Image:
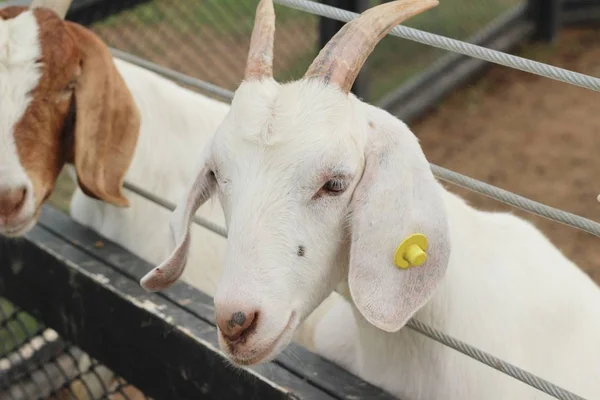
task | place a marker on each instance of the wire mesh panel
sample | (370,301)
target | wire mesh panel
(35,363)
(209,39)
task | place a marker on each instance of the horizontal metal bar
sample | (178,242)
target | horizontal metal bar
(457,46)
(414,98)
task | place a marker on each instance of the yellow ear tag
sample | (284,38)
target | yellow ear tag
(411,251)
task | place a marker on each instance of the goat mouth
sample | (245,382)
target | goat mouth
(265,354)
(19,229)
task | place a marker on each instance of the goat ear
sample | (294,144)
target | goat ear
(396,197)
(199,191)
(107,122)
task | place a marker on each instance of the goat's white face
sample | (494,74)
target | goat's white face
(318,189)
(285,173)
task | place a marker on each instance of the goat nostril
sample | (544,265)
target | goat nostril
(237,318)
(22,194)
(239,326)
(12,200)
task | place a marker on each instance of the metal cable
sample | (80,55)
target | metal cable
(168,205)
(172,74)
(523,203)
(456,46)
(494,362)
(510,198)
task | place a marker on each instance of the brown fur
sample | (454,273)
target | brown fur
(78,72)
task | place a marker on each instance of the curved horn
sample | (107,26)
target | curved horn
(340,61)
(60,7)
(260,55)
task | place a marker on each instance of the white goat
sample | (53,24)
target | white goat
(319,189)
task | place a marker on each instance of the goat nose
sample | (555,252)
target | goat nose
(236,325)
(12,200)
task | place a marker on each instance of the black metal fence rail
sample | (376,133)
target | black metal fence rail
(575,12)
(86,288)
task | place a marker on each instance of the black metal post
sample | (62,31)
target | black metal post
(546,15)
(329,27)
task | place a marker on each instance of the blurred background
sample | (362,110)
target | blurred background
(531,135)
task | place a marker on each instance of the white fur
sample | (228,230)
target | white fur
(507,289)
(509,292)
(19,75)
(175,125)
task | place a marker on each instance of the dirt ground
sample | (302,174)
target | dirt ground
(530,135)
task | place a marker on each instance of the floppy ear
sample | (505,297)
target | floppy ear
(396,197)
(107,122)
(199,191)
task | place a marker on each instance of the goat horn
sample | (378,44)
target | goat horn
(60,7)
(340,61)
(260,55)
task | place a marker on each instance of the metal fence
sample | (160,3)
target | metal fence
(35,363)
(208,40)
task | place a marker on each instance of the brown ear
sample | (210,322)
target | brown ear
(107,121)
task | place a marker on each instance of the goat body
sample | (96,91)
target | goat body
(175,124)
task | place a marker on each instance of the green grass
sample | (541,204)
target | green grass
(396,60)
(14,332)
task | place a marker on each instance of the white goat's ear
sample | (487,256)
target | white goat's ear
(199,191)
(396,197)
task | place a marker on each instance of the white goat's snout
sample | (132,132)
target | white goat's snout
(250,329)
(236,320)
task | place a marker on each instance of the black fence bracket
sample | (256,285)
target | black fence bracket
(546,15)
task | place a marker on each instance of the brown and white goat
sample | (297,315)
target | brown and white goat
(64,100)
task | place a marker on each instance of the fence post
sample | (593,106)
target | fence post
(329,27)
(546,16)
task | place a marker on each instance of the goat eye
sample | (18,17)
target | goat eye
(335,186)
